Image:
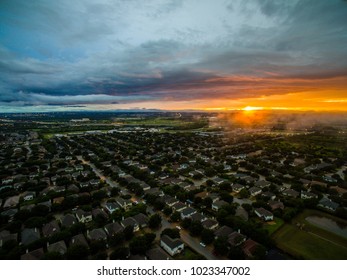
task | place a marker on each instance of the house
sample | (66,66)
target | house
(59,247)
(33,255)
(99,212)
(198,217)
(179,206)
(249,247)
(79,239)
(237,187)
(29,235)
(96,234)
(68,220)
(187,212)
(50,228)
(154,191)
(223,231)
(83,216)
(328,204)
(235,238)
(5,236)
(218,205)
(276,205)
(157,253)
(169,200)
(11,201)
(210,224)
(218,181)
(264,214)
(111,207)
(262,184)
(130,222)
(27,196)
(291,193)
(113,228)
(308,195)
(123,203)
(172,246)
(255,191)
(268,195)
(141,219)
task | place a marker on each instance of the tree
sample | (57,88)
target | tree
(236,253)
(195,228)
(154,221)
(207,236)
(140,244)
(128,232)
(77,252)
(120,253)
(244,193)
(175,217)
(221,246)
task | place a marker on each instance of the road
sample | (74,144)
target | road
(112,183)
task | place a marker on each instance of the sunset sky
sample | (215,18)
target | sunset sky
(173,55)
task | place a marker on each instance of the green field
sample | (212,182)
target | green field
(271,227)
(311,242)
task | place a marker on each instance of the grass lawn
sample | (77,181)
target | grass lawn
(188,254)
(274,225)
(312,242)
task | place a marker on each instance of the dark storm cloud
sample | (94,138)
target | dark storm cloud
(114,52)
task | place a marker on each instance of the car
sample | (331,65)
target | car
(202,244)
(178,227)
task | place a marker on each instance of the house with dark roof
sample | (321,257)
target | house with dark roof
(157,253)
(218,205)
(328,204)
(198,217)
(50,228)
(79,239)
(210,224)
(237,187)
(130,221)
(255,191)
(5,236)
(264,214)
(308,195)
(141,219)
(275,205)
(111,207)
(187,212)
(113,228)
(223,231)
(291,193)
(97,234)
(33,255)
(170,245)
(249,247)
(235,238)
(68,220)
(179,206)
(29,235)
(123,203)
(262,184)
(59,247)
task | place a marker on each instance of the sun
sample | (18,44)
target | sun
(252,108)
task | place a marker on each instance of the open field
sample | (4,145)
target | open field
(311,242)
(271,227)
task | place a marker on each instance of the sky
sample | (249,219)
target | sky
(173,55)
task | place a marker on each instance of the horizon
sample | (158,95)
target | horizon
(161,56)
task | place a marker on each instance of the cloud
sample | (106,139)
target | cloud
(115,52)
